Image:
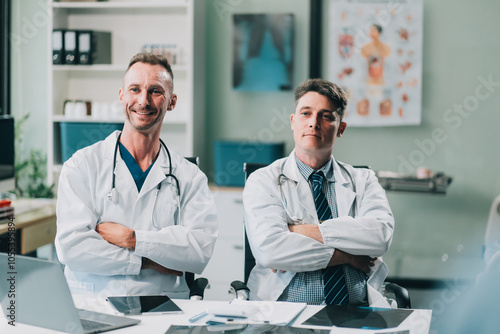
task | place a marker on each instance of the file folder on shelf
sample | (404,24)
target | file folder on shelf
(94,47)
(70,47)
(58,47)
(81,47)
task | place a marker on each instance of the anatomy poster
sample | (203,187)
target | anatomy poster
(375,54)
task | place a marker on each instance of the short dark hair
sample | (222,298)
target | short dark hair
(152,59)
(335,94)
(378,27)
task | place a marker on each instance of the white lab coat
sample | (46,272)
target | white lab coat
(96,267)
(268,213)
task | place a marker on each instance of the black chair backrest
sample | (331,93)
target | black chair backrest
(194,160)
(249,168)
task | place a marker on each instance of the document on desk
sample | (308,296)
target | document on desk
(256,312)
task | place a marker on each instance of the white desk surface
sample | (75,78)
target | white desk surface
(417,323)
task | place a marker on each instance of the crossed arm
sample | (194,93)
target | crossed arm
(124,237)
(361,262)
(305,247)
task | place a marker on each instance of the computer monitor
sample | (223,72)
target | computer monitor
(7,157)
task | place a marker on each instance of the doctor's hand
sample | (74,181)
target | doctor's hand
(150,264)
(361,262)
(117,234)
(276,270)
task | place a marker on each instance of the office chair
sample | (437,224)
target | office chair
(242,291)
(196,286)
(193,160)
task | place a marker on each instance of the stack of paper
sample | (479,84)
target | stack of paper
(256,312)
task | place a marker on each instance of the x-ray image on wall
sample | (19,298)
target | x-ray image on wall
(262,52)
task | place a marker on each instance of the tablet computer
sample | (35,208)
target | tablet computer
(137,305)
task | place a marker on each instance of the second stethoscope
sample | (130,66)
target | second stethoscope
(113,195)
(281,180)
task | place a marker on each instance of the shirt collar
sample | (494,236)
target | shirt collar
(306,171)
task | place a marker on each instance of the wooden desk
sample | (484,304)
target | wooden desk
(35,224)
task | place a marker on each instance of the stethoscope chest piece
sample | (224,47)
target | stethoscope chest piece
(113,196)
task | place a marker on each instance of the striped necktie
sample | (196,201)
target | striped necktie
(335,288)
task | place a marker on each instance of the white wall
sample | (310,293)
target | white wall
(29,58)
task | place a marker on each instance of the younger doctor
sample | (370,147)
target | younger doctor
(132,215)
(317,227)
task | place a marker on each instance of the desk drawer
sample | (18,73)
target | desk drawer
(38,235)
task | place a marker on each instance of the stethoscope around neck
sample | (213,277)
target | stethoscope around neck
(113,194)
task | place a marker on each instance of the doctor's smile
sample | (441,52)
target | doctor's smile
(144,113)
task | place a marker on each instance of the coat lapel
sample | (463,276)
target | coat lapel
(344,195)
(303,191)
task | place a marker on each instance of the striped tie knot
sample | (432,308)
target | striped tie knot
(317,178)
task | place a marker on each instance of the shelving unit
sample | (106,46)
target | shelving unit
(437,184)
(132,24)
(122,4)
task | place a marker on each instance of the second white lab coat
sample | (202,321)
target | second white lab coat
(269,211)
(96,267)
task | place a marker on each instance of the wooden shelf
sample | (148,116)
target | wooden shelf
(105,68)
(121,4)
(88,119)
(62,118)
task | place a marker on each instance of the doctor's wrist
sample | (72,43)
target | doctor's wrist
(339,257)
(132,240)
(146,263)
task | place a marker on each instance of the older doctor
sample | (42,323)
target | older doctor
(317,227)
(132,216)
